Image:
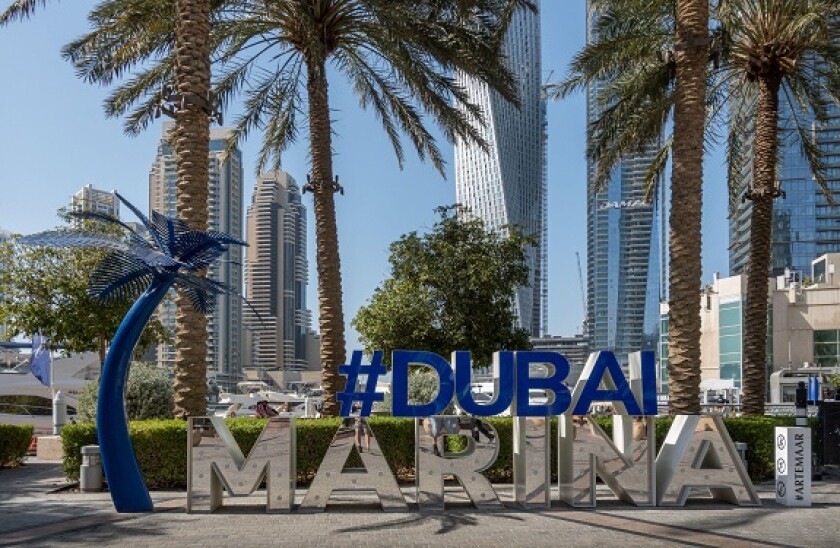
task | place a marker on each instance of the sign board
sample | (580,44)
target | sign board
(793,465)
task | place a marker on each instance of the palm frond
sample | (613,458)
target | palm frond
(20,9)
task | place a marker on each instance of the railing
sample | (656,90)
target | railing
(734,409)
(30,410)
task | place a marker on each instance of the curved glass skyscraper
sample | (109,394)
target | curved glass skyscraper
(505,185)
(625,250)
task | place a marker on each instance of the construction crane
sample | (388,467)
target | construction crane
(582,293)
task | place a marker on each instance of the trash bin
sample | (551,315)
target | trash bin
(742,451)
(90,473)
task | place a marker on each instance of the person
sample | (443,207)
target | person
(263,410)
(232,410)
(359,427)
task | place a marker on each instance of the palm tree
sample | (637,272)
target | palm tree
(648,61)
(778,50)
(752,41)
(398,55)
(191,142)
(138,268)
(691,56)
(191,62)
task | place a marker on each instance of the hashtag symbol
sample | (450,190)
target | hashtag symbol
(369,395)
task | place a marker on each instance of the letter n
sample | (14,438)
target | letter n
(584,449)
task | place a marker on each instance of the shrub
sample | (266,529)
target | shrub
(149,395)
(161,445)
(14,443)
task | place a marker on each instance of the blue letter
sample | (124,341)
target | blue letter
(401,360)
(605,361)
(649,383)
(504,384)
(553,382)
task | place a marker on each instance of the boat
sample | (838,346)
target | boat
(288,403)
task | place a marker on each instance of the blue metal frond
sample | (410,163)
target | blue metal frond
(145,220)
(74,239)
(136,238)
(169,230)
(200,291)
(198,249)
(225,238)
(119,277)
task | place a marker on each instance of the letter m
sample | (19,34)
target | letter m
(215,461)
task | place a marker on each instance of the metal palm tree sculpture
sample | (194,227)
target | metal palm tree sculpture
(136,266)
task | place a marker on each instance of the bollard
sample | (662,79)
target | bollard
(90,473)
(59,413)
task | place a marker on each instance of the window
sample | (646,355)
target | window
(827,348)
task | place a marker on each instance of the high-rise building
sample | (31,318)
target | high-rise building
(505,185)
(805,226)
(276,275)
(89,199)
(803,328)
(575,349)
(224,204)
(625,248)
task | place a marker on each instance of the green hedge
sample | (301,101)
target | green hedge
(161,445)
(14,443)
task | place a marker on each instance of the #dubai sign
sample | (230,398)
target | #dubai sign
(697,453)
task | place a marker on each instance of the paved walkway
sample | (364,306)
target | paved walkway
(32,513)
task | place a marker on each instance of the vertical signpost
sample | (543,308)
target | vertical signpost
(793,465)
(793,456)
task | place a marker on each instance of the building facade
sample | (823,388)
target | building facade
(224,202)
(575,349)
(803,323)
(506,184)
(276,276)
(89,199)
(805,226)
(626,252)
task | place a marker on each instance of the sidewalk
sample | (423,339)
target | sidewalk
(33,513)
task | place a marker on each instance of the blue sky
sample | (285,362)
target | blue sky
(55,139)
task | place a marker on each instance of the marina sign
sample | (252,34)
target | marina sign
(697,453)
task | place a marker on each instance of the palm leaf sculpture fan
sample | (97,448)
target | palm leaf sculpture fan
(172,256)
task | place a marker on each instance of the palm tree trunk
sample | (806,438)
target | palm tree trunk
(329,263)
(765,149)
(692,18)
(191,142)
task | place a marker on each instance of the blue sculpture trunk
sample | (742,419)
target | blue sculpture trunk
(125,480)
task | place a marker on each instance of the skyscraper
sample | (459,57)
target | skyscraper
(276,275)
(625,249)
(225,215)
(505,185)
(805,226)
(90,199)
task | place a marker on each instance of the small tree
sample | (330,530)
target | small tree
(149,395)
(46,290)
(450,289)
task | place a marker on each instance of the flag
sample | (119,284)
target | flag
(39,363)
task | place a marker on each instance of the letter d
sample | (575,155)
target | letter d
(401,360)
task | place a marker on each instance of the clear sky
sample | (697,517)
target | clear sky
(55,139)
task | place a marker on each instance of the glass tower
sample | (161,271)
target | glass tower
(625,249)
(224,202)
(805,226)
(505,185)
